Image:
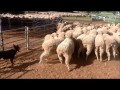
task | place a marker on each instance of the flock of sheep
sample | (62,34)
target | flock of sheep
(44,15)
(82,39)
(35,18)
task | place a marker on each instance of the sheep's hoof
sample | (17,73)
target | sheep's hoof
(40,61)
(62,63)
(108,59)
(100,60)
(69,70)
(97,59)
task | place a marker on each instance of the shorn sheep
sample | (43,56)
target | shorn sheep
(66,49)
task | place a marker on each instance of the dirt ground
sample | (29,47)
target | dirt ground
(27,66)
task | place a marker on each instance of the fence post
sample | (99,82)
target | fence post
(27,37)
(44,27)
(1,35)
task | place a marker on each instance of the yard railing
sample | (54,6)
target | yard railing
(24,36)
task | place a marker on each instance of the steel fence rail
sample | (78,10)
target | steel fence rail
(22,28)
(27,32)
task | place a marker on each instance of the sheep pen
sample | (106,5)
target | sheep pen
(27,63)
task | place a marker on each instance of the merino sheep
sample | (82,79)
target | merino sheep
(66,49)
(110,42)
(50,46)
(77,31)
(67,27)
(47,37)
(79,41)
(99,45)
(69,33)
(88,43)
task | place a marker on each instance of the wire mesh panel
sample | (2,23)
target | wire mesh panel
(15,36)
(36,34)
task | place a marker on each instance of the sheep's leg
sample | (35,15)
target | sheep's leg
(117,52)
(60,58)
(89,50)
(108,53)
(101,53)
(43,55)
(67,60)
(114,52)
(96,52)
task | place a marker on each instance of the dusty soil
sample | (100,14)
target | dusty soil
(27,66)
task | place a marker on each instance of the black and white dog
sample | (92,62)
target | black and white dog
(10,54)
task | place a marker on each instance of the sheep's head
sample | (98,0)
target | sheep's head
(61,35)
(100,32)
(69,35)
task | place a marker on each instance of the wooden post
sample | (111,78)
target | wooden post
(1,36)
(27,37)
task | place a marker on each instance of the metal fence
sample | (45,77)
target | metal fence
(26,37)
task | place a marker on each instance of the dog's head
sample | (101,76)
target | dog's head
(16,47)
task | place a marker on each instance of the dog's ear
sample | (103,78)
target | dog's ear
(14,45)
(18,46)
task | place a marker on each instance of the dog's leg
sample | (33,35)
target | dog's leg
(12,63)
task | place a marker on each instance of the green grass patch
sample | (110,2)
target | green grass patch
(108,14)
(112,20)
(78,18)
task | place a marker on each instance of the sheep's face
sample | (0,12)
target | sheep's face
(69,35)
(99,32)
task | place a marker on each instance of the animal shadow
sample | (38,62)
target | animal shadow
(81,60)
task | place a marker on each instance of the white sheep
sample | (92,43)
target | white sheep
(99,45)
(60,29)
(79,41)
(47,37)
(67,27)
(77,31)
(88,43)
(110,42)
(49,46)
(69,33)
(54,35)
(66,49)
